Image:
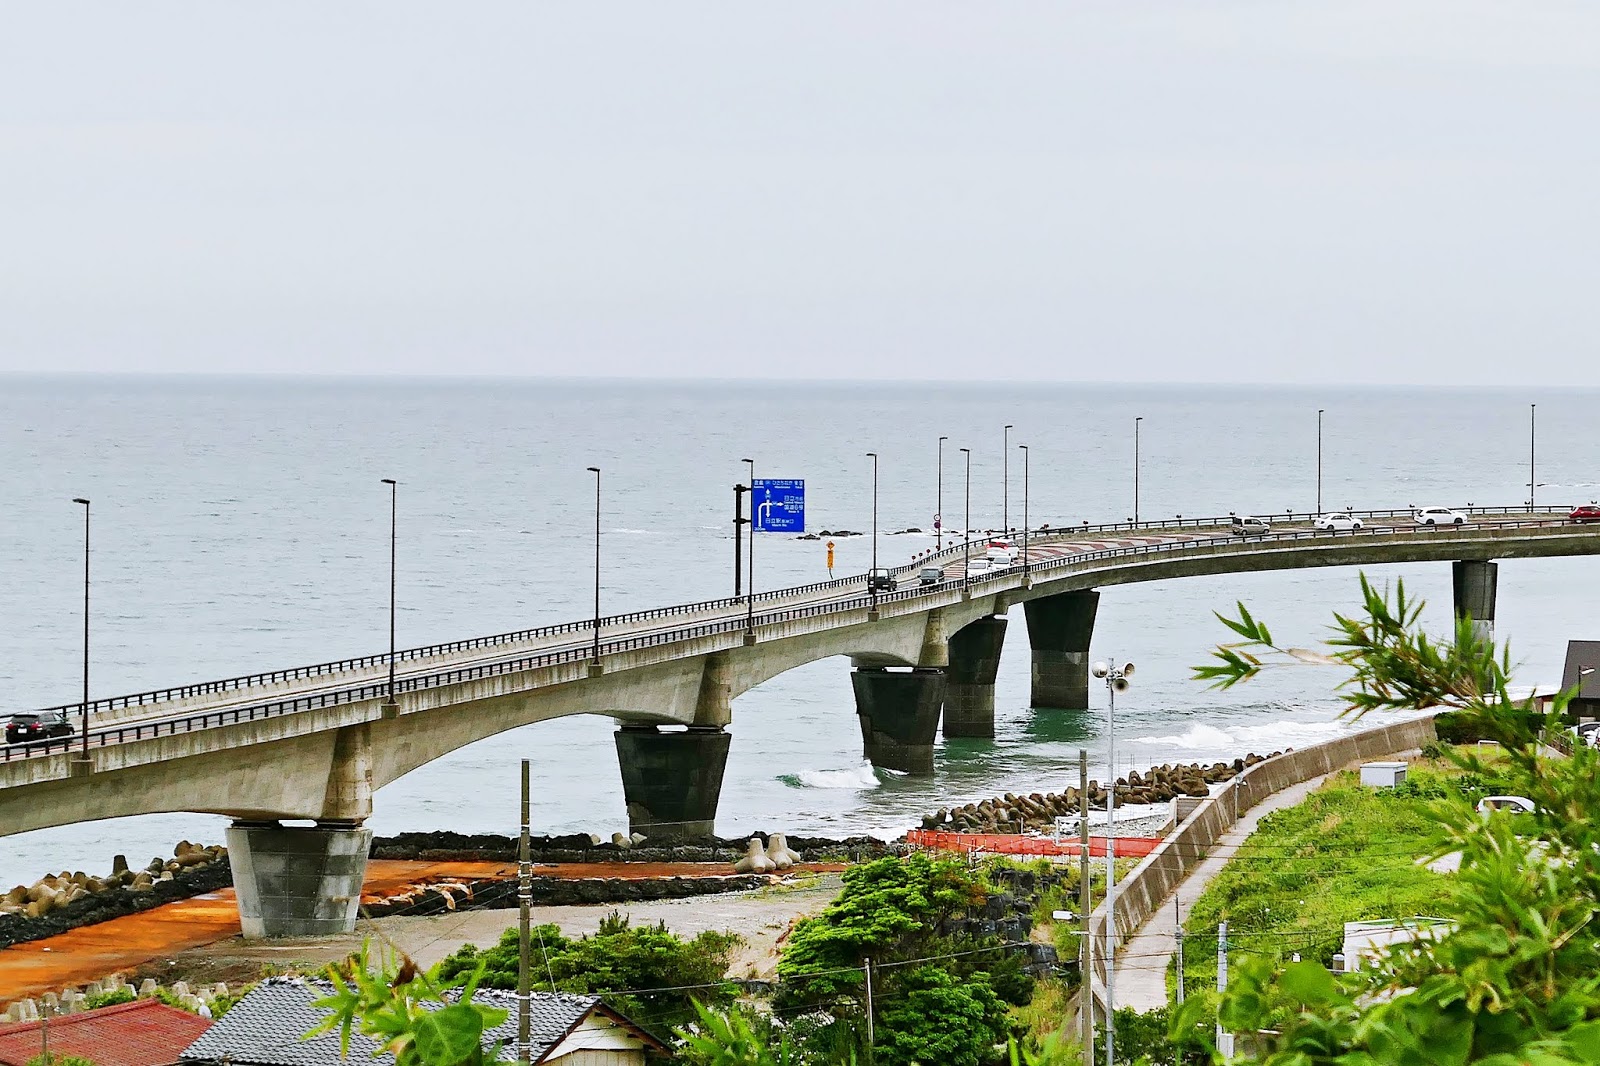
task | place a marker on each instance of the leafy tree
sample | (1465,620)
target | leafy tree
(891,911)
(408,1012)
(734,1039)
(621,961)
(940,1018)
(1517,978)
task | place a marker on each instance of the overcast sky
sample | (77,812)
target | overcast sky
(1365,191)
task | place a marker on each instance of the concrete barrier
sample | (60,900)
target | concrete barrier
(1168,864)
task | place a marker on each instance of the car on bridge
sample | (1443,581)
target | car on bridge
(880,580)
(1589,512)
(1335,521)
(1439,516)
(930,575)
(1249,525)
(37,725)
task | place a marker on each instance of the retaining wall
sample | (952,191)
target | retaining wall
(1165,867)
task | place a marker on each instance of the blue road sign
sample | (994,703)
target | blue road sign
(779,505)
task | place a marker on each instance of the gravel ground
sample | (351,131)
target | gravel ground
(763,917)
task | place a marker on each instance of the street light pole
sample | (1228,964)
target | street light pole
(1533,482)
(966,530)
(1136,422)
(394,511)
(595,470)
(1116,678)
(84,722)
(1319,460)
(938,511)
(1005,482)
(750,560)
(1024,448)
(872,575)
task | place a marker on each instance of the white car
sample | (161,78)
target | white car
(1337,520)
(979,567)
(1439,516)
(1514,804)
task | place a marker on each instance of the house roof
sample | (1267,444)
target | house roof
(145,1032)
(266,1027)
(1582,655)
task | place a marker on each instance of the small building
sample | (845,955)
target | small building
(1582,655)
(266,1028)
(145,1032)
(1367,942)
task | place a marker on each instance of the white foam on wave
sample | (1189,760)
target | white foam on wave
(1265,736)
(857,777)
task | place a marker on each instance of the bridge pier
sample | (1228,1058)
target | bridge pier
(899,715)
(1059,628)
(672,781)
(297,881)
(969,681)
(1474,582)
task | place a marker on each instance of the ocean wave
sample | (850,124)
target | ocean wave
(1274,735)
(857,777)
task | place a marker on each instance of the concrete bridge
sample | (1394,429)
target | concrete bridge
(313,743)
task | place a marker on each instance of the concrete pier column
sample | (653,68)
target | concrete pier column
(1474,581)
(1059,628)
(899,715)
(969,680)
(672,781)
(349,794)
(297,881)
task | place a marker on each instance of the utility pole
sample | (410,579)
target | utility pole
(738,539)
(866,965)
(525,956)
(1224,1040)
(1177,916)
(1085,944)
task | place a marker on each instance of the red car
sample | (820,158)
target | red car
(1589,512)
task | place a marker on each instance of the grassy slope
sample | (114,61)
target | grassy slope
(1346,854)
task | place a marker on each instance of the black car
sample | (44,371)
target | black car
(25,728)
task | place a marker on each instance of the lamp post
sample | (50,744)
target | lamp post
(750,561)
(1116,678)
(1319,460)
(1024,449)
(966,531)
(1533,483)
(595,470)
(84,722)
(872,574)
(1136,422)
(394,511)
(938,508)
(1005,482)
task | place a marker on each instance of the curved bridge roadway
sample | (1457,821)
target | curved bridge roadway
(313,743)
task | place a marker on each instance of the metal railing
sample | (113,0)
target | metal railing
(737,623)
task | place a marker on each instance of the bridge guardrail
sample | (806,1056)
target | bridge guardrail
(477,671)
(955,551)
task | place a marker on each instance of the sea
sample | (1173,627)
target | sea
(240,524)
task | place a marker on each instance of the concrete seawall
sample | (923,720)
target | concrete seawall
(1164,868)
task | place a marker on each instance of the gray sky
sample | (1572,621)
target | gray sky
(1364,191)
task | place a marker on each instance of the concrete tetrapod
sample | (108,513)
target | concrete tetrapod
(755,860)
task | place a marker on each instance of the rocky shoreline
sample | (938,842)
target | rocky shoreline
(446,846)
(1036,813)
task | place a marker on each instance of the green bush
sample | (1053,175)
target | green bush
(620,961)
(109,999)
(60,1060)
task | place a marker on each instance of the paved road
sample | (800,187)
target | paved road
(1143,961)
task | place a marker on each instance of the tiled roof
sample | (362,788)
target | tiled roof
(145,1032)
(266,1027)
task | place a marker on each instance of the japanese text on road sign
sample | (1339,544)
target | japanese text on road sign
(778,505)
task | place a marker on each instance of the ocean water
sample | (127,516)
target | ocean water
(240,524)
